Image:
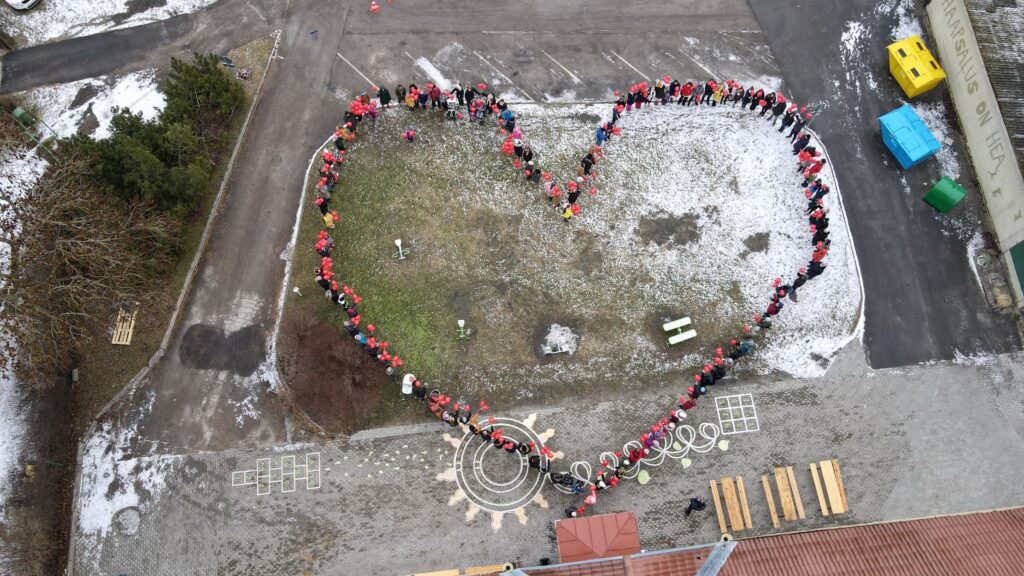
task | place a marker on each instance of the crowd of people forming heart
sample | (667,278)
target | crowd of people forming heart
(477,104)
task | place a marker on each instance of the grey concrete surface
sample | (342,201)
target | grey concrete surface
(912,442)
(212,391)
(922,299)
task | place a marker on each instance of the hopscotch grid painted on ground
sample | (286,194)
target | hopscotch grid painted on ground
(737,414)
(287,474)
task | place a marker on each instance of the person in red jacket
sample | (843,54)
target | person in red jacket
(686,94)
(435,97)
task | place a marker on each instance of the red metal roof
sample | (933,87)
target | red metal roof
(601,536)
(983,543)
(682,562)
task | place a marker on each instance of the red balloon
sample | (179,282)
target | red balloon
(808,115)
(803,109)
(482,86)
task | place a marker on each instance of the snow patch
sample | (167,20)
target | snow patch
(137,91)
(56,105)
(433,73)
(20,170)
(12,428)
(112,481)
(55,19)
(907,23)
(982,359)
(561,338)
(935,118)
(974,246)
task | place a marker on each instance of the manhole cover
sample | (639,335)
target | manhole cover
(127,520)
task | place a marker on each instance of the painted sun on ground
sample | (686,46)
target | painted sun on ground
(490,480)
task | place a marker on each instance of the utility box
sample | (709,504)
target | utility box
(907,137)
(914,67)
(945,195)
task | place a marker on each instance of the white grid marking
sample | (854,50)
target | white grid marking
(737,414)
(286,475)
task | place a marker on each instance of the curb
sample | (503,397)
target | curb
(172,323)
(279,383)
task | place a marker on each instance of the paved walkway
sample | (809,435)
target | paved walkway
(913,442)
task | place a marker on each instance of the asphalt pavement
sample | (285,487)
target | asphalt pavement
(214,390)
(923,301)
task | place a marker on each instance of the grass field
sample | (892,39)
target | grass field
(684,224)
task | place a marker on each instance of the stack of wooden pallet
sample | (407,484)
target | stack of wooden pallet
(828,485)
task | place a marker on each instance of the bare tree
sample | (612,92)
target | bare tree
(75,254)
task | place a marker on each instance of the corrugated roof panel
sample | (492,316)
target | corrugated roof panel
(986,543)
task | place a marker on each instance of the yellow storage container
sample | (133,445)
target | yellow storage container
(914,67)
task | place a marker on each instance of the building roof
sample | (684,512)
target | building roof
(981,543)
(968,544)
(601,536)
(676,562)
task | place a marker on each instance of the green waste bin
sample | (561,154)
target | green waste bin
(945,195)
(23,117)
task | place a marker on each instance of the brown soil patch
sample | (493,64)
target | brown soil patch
(331,379)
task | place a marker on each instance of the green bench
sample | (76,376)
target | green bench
(680,335)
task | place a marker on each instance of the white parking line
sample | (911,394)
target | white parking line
(642,75)
(372,83)
(500,73)
(701,66)
(559,64)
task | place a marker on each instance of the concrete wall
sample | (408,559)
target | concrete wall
(982,123)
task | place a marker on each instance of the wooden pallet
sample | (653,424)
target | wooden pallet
(789,494)
(834,497)
(771,500)
(124,328)
(735,496)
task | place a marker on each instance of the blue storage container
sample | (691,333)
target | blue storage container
(907,137)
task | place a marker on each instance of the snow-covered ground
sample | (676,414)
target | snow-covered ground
(65,106)
(116,490)
(19,170)
(12,433)
(57,19)
(60,107)
(740,185)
